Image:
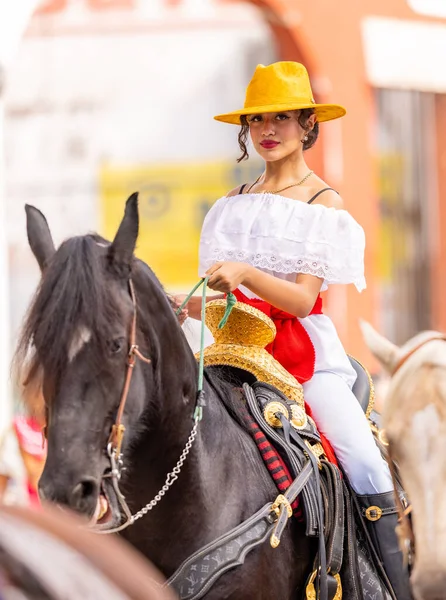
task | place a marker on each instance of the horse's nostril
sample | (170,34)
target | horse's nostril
(84,491)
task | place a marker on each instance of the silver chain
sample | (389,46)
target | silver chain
(170,480)
(171,477)
(117,462)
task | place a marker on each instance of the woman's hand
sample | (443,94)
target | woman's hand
(227,276)
(176,302)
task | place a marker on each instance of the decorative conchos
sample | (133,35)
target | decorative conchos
(298,417)
(270,411)
(373,513)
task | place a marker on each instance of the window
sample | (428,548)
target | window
(407,204)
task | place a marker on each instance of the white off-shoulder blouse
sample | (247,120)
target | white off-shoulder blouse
(284,237)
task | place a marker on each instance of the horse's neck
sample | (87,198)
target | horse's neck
(222,482)
(220,451)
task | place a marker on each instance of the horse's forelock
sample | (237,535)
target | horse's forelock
(74,295)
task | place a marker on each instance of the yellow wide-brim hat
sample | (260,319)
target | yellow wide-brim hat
(281,86)
(241,344)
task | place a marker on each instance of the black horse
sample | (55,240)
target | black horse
(75,343)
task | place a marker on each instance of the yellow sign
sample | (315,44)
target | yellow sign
(173,201)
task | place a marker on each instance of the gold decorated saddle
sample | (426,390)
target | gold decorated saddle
(272,410)
(241,343)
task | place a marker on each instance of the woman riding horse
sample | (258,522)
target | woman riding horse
(279,242)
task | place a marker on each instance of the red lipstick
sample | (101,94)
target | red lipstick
(269,144)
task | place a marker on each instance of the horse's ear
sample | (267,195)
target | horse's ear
(386,352)
(123,246)
(39,236)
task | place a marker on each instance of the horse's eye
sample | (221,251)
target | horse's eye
(116,345)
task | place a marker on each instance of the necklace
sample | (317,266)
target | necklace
(281,189)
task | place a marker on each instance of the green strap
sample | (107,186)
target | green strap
(230,302)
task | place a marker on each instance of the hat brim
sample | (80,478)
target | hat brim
(324,112)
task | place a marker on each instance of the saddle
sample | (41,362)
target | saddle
(273,400)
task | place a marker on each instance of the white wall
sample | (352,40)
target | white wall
(13,20)
(90,89)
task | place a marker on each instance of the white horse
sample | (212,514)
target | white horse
(414,419)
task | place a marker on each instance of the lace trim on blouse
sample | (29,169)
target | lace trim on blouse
(282,235)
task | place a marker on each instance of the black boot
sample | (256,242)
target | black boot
(380,514)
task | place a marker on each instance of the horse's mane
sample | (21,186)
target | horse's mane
(74,292)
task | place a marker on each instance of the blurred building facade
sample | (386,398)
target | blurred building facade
(109,96)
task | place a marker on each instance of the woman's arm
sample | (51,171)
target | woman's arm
(193,307)
(295,298)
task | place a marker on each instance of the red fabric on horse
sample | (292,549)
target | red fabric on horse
(272,459)
(274,463)
(292,347)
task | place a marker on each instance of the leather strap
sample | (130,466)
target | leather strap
(199,572)
(294,461)
(334,516)
(311,494)
(118,429)
(289,432)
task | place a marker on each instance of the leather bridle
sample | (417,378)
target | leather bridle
(405,357)
(117,433)
(114,445)
(118,429)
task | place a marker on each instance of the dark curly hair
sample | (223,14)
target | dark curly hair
(302,118)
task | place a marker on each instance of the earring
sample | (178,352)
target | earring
(305,138)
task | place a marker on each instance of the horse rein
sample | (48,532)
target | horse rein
(407,533)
